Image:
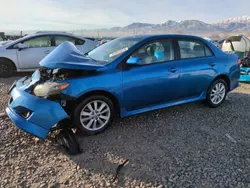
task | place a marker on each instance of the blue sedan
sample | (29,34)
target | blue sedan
(126,76)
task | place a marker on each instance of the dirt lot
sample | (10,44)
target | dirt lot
(184,146)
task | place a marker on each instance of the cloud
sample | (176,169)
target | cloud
(28,14)
(87,14)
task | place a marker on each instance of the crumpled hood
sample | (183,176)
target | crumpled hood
(67,56)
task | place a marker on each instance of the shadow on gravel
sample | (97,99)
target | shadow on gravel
(16,76)
(187,145)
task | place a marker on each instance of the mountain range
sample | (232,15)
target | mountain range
(240,24)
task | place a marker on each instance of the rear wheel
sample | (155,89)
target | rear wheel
(217,93)
(94,114)
(6,68)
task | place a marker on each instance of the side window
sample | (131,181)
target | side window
(156,52)
(38,42)
(208,52)
(191,49)
(61,39)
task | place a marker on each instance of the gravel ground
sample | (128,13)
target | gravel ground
(184,146)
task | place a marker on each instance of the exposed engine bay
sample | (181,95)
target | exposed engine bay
(61,74)
(51,82)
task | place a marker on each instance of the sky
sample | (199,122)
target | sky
(94,14)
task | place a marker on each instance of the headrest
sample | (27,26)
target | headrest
(198,47)
(150,50)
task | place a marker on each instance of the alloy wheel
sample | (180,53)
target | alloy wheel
(95,115)
(218,93)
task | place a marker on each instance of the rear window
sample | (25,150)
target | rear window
(61,39)
(79,42)
(193,49)
(208,52)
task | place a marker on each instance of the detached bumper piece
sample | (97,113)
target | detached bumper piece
(244,74)
(32,114)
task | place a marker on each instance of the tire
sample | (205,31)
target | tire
(67,139)
(6,68)
(95,121)
(213,93)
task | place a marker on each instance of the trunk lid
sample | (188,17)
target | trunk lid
(67,56)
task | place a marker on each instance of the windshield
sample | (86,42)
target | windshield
(109,51)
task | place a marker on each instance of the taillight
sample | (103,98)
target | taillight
(239,62)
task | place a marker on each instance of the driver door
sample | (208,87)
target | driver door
(37,49)
(156,81)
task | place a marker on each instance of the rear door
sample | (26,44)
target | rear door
(38,48)
(198,67)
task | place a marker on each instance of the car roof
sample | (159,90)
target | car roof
(153,36)
(41,33)
(51,33)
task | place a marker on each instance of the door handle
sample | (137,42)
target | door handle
(47,52)
(172,69)
(212,64)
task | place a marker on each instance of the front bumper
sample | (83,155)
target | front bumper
(44,114)
(27,126)
(245,74)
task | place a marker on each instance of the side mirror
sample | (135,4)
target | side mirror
(21,46)
(134,61)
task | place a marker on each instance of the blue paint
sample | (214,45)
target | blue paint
(138,88)
(246,76)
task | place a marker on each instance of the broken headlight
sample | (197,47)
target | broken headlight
(49,88)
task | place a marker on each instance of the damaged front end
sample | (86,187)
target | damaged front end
(52,82)
(37,103)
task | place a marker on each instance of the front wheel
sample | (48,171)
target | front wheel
(94,114)
(217,93)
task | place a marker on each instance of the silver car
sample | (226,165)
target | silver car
(25,54)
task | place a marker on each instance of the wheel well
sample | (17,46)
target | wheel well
(225,78)
(103,93)
(6,59)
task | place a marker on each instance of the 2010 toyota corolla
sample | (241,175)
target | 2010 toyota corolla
(126,76)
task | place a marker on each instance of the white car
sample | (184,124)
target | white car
(5,42)
(25,54)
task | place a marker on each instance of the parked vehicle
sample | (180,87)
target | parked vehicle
(126,76)
(220,43)
(245,69)
(5,42)
(25,54)
(239,45)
